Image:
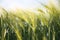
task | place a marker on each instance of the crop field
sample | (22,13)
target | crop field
(30,25)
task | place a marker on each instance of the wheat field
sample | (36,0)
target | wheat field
(27,25)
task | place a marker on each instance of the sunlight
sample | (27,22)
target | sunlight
(24,4)
(19,3)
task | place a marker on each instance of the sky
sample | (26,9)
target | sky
(21,3)
(24,4)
